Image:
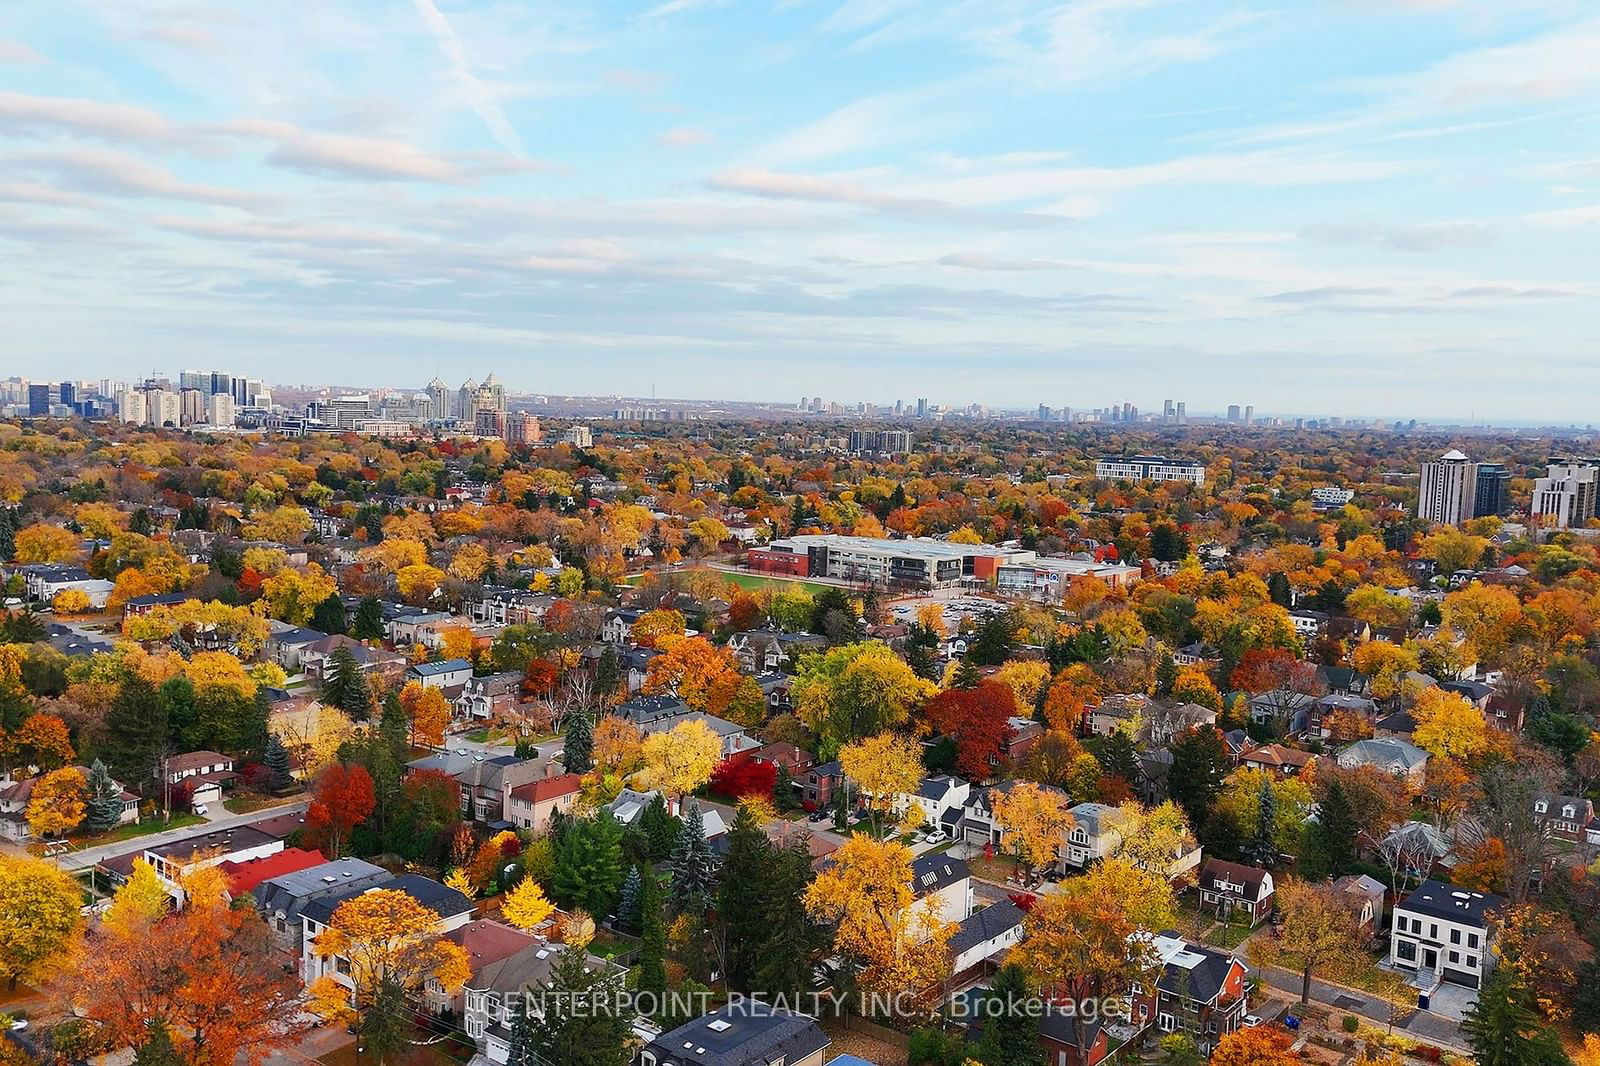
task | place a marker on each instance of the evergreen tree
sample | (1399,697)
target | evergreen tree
(577,754)
(652,939)
(741,898)
(344,685)
(8,534)
(783,791)
(385,1027)
(1332,838)
(628,904)
(183,716)
(1278,588)
(157,1050)
(784,965)
(589,864)
(922,654)
(394,728)
(1505,1029)
(660,829)
(368,622)
(608,672)
(329,616)
(1199,762)
(691,860)
(521,1051)
(966,676)
(1166,675)
(135,731)
(1118,758)
(1586,996)
(104,806)
(994,640)
(579,1022)
(277,762)
(1262,848)
(1010,1036)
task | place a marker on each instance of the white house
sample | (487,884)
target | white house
(446,673)
(1444,933)
(453,909)
(943,885)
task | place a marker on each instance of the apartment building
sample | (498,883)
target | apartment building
(920,562)
(1565,496)
(1149,468)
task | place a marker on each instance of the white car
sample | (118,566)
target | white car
(200,809)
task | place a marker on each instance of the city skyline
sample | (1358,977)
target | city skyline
(1381,206)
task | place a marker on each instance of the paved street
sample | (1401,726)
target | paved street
(1423,1025)
(82,860)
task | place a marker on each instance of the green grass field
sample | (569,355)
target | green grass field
(760,581)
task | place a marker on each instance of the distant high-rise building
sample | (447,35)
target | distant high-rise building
(38,400)
(467,402)
(489,423)
(1565,496)
(439,400)
(581,436)
(880,442)
(191,407)
(1249,415)
(899,408)
(220,409)
(522,428)
(1491,495)
(1449,489)
(922,408)
(1183,413)
(69,393)
(1233,412)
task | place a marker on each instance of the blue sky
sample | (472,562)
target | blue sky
(1324,206)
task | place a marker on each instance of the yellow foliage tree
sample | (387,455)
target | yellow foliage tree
(883,768)
(418,583)
(39,918)
(44,543)
(140,901)
(618,745)
(1026,678)
(1449,725)
(286,525)
(525,905)
(293,595)
(866,897)
(681,759)
(70,601)
(1035,822)
(59,802)
(386,937)
(653,625)
(427,710)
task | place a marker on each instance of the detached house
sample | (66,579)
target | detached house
(743,1034)
(1096,834)
(1568,818)
(451,908)
(1231,887)
(447,674)
(1282,761)
(1444,933)
(487,696)
(1201,991)
(532,805)
(1389,754)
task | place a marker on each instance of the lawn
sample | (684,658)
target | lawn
(137,829)
(246,804)
(761,581)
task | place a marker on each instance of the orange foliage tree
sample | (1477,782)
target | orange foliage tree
(428,712)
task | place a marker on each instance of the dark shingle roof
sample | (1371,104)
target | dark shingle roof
(745,1035)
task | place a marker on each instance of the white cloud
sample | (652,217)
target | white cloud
(22,114)
(479,96)
(18,53)
(685,137)
(105,170)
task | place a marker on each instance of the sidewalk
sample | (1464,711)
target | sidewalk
(1420,1024)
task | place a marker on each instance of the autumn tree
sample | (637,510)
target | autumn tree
(42,741)
(525,906)
(694,670)
(651,626)
(978,721)
(39,919)
(343,799)
(1035,822)
(618,745)
(427,711)
(866,899)
(1504,1027)
(44,543)
(1259,1045)
(1090,940)
(1542,949)
(388,941)
(1154,839)
(1449,726)
(1318,934)
(138,903)
(206,975)
(882,769)
(59,802)
(854,691)
(681,759)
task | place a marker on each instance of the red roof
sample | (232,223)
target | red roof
(548,788)
(245,876)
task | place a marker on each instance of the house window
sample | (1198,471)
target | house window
(1455,936)
(1167,1023)
(1472,940)
(1455,957)
(475,1028)
(1433,931)
(1472,962)
(1405,949)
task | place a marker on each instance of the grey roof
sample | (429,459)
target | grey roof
(1386,753)
(980,926)
(747,1034)
(1440,899)
(1091,815)
(290,892)
(930,873)
(938,786)
(443,900)
(1195,971)
(443,666)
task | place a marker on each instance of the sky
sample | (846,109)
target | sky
(1326,206)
